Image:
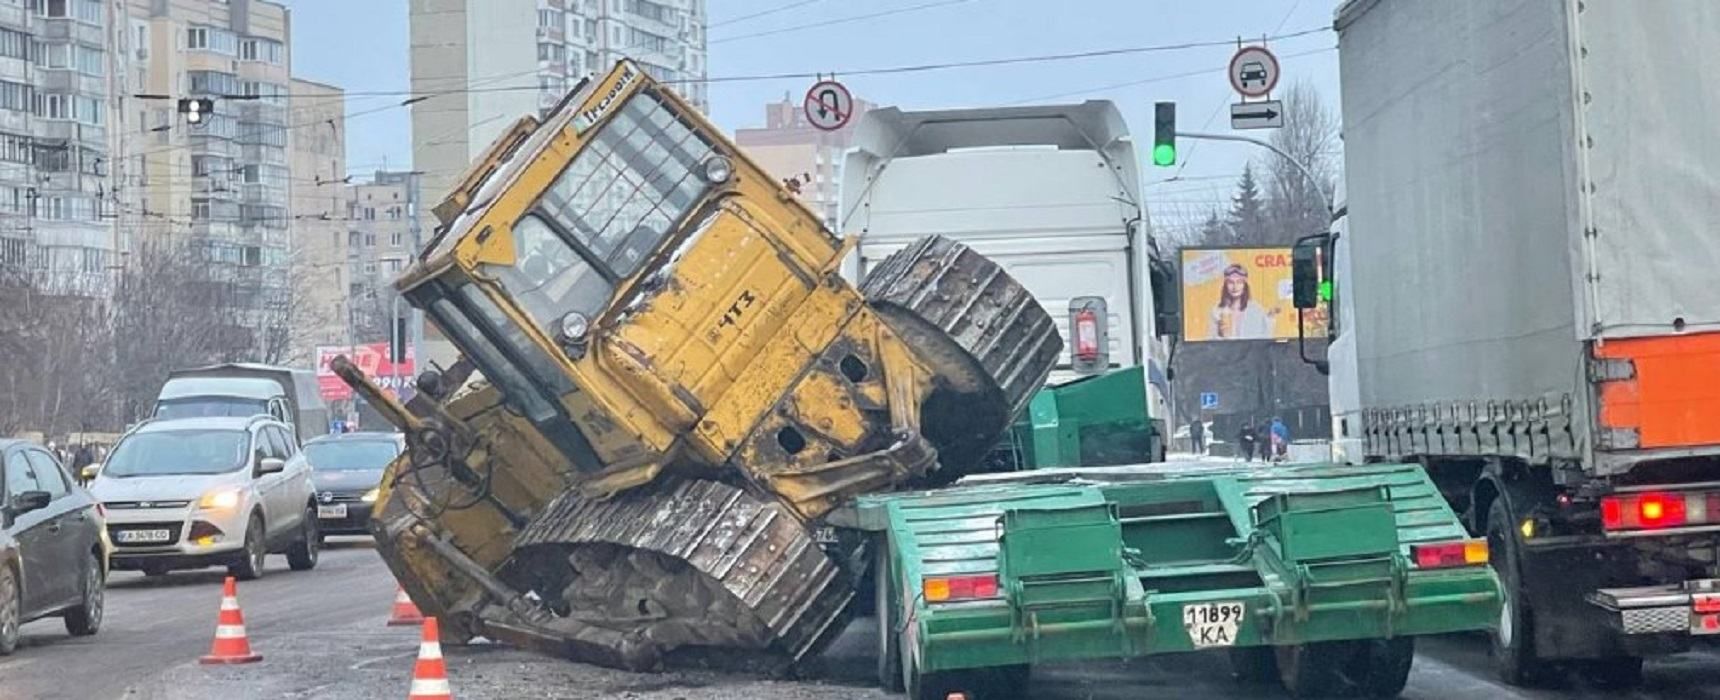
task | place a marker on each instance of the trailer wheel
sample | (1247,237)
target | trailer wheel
(1380,667)
(1314,670)
(1514,656)
(890,676)
(1254,664)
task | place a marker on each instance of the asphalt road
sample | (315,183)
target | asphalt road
(322,635)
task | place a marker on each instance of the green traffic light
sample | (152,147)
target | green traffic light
(1326,291)
(1164,154)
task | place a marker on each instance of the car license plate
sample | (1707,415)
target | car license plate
(337,510)
(1212,624)
(143,536)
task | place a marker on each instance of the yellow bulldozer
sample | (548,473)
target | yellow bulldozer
(667,391)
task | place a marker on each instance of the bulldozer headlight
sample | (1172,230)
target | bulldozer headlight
(574,326)
(718,170)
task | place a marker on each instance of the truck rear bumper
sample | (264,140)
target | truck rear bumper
(1687,608)
(962,637)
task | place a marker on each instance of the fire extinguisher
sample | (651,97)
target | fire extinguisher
(1086,336)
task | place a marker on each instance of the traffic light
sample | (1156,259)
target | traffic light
(1165,134)
(196,109)
(398,341)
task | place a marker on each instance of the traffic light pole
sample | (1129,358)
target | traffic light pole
(1268,146)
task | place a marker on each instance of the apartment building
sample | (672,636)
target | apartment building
(54,144)
(222,183)
(383,234)
(488,62)
(796,152)
(318,230)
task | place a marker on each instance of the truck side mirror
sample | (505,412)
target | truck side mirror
(1167,304)
(1305,272)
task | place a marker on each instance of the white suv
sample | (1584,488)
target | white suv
(196,492)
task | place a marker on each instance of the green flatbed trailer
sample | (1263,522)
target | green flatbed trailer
(1320,575)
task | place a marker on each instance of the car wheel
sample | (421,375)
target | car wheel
(249,566)
(11,610)
(1513,650)
(86,619)
(303,554)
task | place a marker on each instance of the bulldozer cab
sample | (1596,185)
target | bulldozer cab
(611,268)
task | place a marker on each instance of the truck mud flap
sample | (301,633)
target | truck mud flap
(690,564)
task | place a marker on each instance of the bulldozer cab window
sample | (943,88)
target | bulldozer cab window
(629,186)
(634,180)
(549,278)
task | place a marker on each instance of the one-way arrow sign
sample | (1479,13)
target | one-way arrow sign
(1257,115)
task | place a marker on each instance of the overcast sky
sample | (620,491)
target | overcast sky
(361,45)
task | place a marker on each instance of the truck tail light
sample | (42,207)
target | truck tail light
(1653,510)
(947,589)
(1445,555)
(1086,335)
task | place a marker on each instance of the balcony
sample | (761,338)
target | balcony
(65,80)
(65,29)
(67,130)
(16,70)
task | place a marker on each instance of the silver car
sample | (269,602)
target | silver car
(197,492)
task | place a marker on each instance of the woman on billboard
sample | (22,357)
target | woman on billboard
(1237,316)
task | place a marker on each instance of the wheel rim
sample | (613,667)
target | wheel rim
(8,606)
(254,544)
(312,530)
(93,595)
(1505,631)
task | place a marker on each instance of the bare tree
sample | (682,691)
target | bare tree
(1259,379)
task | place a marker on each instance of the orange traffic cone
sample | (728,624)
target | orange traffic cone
(430,675)
(405,613)
(231,646)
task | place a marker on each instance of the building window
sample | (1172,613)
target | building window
(370,215)
(54,8)
(90,11)
(394,213)
(393,264)
(352,238)
(54,55)
(212,39)
(260,49)
(552,52)
(370,267)
(370,239)
(14,44)
(15,148)
(549,18)
(197,38)
(90,61)
(395,238)
(200,209)
(54,209)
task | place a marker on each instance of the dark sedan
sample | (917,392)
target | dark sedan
(347,469)
(53,553)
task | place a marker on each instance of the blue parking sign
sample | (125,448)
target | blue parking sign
(1208,400)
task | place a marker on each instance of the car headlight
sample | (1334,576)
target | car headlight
(370,496)
(221,499)
(718,170)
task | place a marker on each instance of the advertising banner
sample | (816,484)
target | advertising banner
(372,358)
(1241,294)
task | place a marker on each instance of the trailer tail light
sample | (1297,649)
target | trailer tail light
(1654,510)
(1445,555)
(949,589)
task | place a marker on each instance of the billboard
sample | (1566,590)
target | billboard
(372,358)
(1241,294)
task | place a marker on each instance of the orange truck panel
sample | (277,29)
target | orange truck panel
(1673,399)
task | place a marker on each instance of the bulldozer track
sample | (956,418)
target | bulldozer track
(693,563)
(974,302)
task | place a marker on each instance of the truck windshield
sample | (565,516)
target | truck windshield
(175,452)
(210,407)
(633,181)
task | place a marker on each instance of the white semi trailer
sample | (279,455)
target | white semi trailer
(1525,303)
